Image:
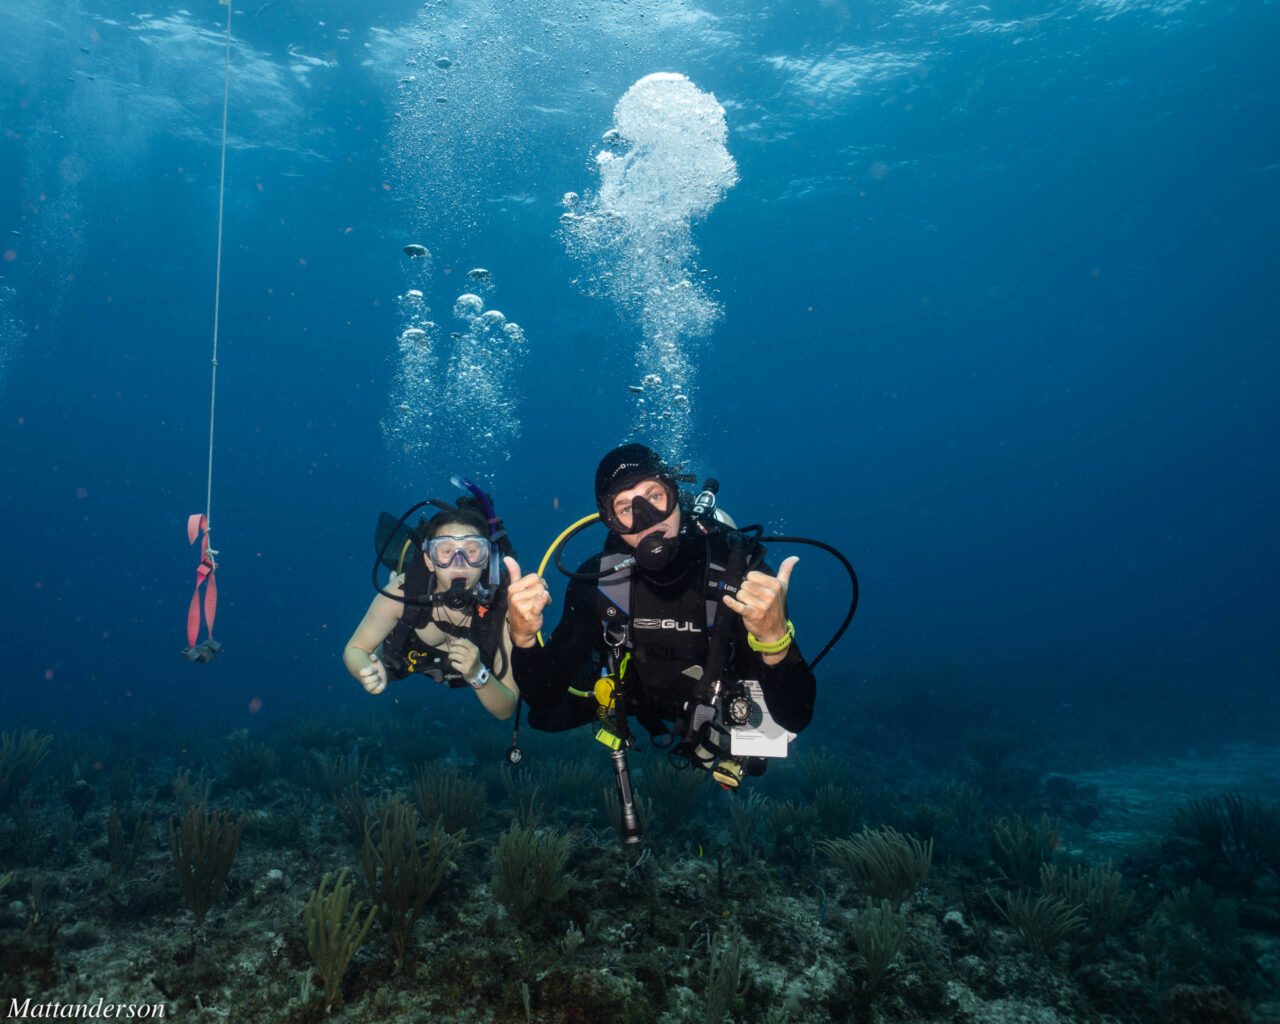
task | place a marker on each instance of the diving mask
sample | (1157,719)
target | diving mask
(447,550)
(649,508)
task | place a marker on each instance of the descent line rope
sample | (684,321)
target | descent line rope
(217,283)
(198,525)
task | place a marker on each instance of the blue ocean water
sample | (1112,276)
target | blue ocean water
(990,308)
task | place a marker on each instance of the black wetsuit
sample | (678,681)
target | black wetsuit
(669,634)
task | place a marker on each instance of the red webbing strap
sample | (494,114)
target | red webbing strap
(198,527)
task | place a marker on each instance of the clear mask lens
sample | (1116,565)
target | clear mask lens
(446,551)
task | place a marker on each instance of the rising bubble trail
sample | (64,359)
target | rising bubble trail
(453,389)
(663,165)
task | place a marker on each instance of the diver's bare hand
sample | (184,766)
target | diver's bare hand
(526,597)
(762,602)
(464,656)
(373,677)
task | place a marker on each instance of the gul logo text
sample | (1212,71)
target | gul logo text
(679,627)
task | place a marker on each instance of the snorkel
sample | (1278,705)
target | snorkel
(486,506)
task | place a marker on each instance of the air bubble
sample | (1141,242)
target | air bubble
(468,305)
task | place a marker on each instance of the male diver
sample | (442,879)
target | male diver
(674,615)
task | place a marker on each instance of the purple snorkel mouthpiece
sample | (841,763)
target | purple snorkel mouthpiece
(481,497)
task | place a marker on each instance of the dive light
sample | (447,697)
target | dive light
(631,830)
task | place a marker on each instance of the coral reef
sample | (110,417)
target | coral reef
(353,883)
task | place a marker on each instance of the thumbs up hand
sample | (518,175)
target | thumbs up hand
(526,598)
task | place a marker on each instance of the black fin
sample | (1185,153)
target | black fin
(390,539)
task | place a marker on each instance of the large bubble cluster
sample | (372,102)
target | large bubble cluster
(453,391)
(663,165)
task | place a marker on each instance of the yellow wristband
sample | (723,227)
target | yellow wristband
(777,645)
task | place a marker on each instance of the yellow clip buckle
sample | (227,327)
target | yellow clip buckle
(609,739)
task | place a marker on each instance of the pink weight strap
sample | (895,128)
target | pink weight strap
(198,527)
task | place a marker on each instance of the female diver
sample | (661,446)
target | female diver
(439,619)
